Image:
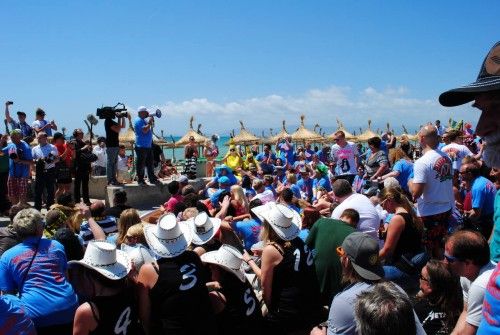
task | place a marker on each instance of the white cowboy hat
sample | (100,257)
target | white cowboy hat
(203,228)
(167,238)
(138,254)
(103,257)
(227,257)
(284,221)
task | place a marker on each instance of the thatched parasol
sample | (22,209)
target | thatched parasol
(127,138)
(367,134)
(410,137)
(340,126)
(303,134)
(199,139)
(281,134)
(244,137)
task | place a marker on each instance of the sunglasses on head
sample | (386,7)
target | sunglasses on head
(340,252)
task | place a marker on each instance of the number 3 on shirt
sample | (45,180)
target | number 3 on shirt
(309,258)
(189,278)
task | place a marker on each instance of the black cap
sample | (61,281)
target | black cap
(21,113)
(487,80)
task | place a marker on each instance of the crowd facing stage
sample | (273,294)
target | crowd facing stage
(398,237)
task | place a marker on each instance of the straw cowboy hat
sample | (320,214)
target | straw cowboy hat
(203,228)
(228,258)
(167,238)
(284,221)
(487,80)
(103,257)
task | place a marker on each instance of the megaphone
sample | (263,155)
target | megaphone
(157,113)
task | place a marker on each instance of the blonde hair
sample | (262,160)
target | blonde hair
(189,213)
(137,231)
(268,235)
(240,197)
(396,194)
(396,154)
(128,218)
(291,178)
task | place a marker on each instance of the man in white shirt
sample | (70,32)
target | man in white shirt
(45,156)
(40,124)
(456,150)
(99,166)
(432,188)
(468,256)
(345,156)
(369,219)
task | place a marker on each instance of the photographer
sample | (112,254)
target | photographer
(45,156)
(19,167)
(40,124)
(143,142)
(112,129)
(25,128)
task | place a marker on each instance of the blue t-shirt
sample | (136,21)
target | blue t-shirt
(306,188)
(303,234)
(490,322)
(296,191)
(23,150)
(288,151)
(47,296)
(322,182)
(250,192)
(483,195)
(142,140)
(405,170)
(248,231)
(309,154)
(13,318)
(495,238)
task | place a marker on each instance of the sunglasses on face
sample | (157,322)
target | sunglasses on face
(450,259)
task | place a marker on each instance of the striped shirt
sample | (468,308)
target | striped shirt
(107,223)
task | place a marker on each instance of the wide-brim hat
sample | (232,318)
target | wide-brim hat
(167,238)
(363,252)
(103,257)
(487,80)
(284,221)
(203,228)
(138,254)
(227,257)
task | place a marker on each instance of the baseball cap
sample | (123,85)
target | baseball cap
(21,113)
(487,80)
(224,180)
(142,109)
(362,250)
(183,179)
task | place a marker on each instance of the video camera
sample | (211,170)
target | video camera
(118,110)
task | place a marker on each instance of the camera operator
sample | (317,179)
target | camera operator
(40,124)
(45,156)
(82,167)
(25,128)
(143,142)
(19,167)
(112,129)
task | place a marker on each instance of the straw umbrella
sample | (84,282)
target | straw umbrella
(199,139)
(127,138)
(303,134)
(245,137)
(283,133)
(367,134)
(340,127)
(410,137)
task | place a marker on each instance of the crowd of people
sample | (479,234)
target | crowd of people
(394,238)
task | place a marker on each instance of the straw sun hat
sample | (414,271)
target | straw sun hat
(284,221)
(228,258)
(203,228)
(103,257)
(167,238)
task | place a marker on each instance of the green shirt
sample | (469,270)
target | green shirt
(324,238)
(495,238)
(4,163)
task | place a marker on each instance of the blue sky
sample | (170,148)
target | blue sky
(259,61)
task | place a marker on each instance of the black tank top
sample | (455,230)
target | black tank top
(242,314)
(410,240)
(117,314)
(295,290)
(179,299)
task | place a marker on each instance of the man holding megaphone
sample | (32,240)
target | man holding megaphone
(143,145)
